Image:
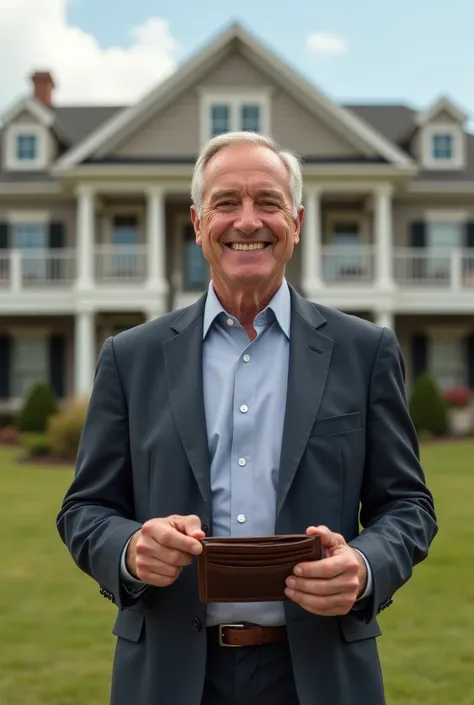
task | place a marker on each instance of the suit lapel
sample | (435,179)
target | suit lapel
(310,356)
(183,365)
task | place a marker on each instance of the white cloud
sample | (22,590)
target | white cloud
(326,43)
(35,35)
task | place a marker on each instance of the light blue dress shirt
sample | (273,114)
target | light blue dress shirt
(245,386)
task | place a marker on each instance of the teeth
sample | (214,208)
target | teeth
(250,246)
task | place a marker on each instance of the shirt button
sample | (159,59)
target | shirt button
(241,518)
(230,322)
(242,462)
(246,358)
(197,625)
(244,408)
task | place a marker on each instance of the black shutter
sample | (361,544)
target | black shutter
(57,360)
(5,361)
(418,241)
(470,360)
(419,354)
(56,235)
(4,236)
(418,234)
(469,234)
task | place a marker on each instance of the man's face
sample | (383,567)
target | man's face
(246,228)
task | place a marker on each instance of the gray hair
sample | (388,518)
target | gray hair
(231,139)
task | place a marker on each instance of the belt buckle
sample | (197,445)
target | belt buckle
(221,636)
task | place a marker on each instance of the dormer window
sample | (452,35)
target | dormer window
(442,137)
(26,147)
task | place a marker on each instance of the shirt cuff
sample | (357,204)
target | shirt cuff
(369,585)
(132,583)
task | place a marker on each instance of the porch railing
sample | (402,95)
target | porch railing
(121,263)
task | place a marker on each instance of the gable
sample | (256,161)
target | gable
(232,58)
(443,118)
(175,131)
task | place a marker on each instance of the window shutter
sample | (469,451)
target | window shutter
(469,234)
(419,354)
(418,234)
(5,362)
(470,360)
(57,360)
(56,235)
(4,236)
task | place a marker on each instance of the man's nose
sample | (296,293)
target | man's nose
(247,221)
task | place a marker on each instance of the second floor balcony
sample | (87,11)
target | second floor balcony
(340,267)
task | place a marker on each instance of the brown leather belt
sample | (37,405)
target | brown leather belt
(246,634)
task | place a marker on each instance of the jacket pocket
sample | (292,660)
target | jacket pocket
(337,424)
(129,625)
(354,629)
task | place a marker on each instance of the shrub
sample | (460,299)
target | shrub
(65,429)
(10,436)
(39,405)
(36,444)
(428,409)
(7,419)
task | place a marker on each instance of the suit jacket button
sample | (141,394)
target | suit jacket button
(197,625)
(205,528)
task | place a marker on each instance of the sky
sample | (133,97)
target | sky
(114,51)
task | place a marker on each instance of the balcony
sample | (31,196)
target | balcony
(348,265)
(52,269)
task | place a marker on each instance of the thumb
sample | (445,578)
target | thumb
(192,527)
(329,540)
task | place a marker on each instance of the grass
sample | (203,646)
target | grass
(55,628)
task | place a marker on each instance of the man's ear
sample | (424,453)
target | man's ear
(196,221)
(298,221)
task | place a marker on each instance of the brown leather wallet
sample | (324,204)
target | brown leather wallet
(252,569)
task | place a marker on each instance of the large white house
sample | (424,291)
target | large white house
(95,234)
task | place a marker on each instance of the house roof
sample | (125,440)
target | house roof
(356,130)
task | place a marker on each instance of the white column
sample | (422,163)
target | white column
(156,241)
(311,243)
(386,319)
(84,353)
(383,237)
(85,237)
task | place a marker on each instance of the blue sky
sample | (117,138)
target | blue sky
(408,50)
(114,51)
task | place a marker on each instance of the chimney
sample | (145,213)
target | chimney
(43,85)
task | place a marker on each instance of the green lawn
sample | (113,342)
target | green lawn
(55,628)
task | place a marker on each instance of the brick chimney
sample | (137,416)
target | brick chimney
(43,85)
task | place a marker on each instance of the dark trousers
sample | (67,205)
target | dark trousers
(249,675)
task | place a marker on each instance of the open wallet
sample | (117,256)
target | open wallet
(252,569)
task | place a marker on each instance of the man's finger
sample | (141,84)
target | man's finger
(337,586)
(167,535)
(329,539)
(326,568)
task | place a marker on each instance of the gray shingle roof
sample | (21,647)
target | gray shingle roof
(76,122)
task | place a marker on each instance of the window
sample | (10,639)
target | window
(344,261)
(125,236)
(219,119)
(195,265)
(447,361)
(230,111)
(443,146)
(30,239)
(250,118)
(442,238)
(30,364)
(26,147)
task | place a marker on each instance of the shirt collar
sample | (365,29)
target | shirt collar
(280,305)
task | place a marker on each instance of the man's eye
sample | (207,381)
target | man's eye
(225,204)
(269,204)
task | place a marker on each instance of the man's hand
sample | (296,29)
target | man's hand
(158,552)
(331,585)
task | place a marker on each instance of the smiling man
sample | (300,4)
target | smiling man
(251,413)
